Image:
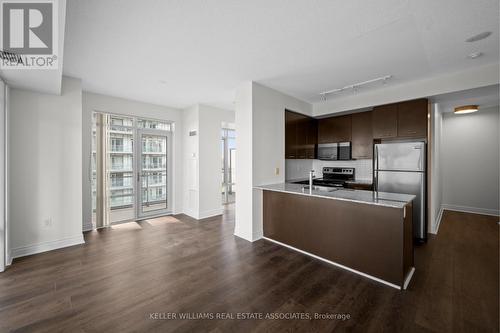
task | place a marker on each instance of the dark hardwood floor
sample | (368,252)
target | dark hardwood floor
(123,276)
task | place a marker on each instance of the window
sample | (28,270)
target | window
(154,124)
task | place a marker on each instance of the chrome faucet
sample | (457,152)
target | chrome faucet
(311,177)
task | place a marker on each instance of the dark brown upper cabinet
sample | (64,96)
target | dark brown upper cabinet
(334,129)
(325,130)
(412,118)
(312,138)
(300,136)
(290,135)
(362,138)
(385,121)
(302,129)
(342,128)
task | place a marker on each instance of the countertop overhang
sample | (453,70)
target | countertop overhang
(386,199)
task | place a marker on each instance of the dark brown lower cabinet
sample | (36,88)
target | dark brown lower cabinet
(372,239)
(362,186)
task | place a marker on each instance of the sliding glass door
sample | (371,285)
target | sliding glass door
(153,194)
(120,168)
(130,168)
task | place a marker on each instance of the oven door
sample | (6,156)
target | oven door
(328,151)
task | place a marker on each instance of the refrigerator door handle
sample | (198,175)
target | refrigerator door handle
(375,169)
(422,222)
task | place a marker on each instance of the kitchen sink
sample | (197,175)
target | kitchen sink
(319,188)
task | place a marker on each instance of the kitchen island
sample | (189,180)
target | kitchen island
(366,232)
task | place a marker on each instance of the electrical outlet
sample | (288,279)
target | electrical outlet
(277,171)
(47,223)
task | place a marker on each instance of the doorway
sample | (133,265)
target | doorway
(228,146)
(130,168)
(152,164)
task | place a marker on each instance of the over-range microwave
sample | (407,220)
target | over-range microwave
(345,151)
(335,151)
(328,151)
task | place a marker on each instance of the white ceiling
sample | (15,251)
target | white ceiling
(179,53)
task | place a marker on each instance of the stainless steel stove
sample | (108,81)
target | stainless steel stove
(333,177)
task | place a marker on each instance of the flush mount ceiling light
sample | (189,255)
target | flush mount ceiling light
(477,37)
(474,55)
(466,109)
(354,86)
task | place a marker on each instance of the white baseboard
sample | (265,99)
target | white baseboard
(257,235)
(437,223)
(473,210)
(254,236)
(87,227)
(46,246)
(205,214)
(9,258)
(191,213)
(210,213)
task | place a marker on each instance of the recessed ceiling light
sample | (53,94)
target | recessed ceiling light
(466,109)
(477,37)
(474,55)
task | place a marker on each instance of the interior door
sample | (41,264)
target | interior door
(154,188)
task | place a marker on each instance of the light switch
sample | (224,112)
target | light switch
(277,171)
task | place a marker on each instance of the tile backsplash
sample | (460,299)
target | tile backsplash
(295,169)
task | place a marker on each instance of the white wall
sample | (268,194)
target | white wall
(244,224)
(260,138)
(436,190)
(190,156)
(202,159)
(3,228)
(8,247)
(470,161)
(211,120)
(97,102)
(45,168)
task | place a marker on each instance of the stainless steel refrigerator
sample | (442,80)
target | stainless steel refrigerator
(399,167)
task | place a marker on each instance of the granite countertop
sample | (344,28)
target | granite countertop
(356,181)
(395,200)
(360,181)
